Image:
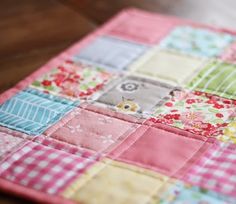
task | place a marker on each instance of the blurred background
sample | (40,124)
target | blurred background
(33,31)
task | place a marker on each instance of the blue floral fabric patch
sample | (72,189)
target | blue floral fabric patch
(197,42)
(184,193)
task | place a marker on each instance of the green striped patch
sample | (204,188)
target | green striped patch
(216,78)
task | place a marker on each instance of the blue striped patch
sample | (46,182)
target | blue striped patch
(32,112)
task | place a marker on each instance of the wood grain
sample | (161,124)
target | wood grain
(32,33)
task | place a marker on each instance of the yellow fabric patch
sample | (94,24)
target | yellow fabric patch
(116,182)
(229,133)
(167,66)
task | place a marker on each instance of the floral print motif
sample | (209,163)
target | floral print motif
(128,86)
(197,42)
(128,106)
(73,80)
(134,95)
(184,193)
(108,139)
(74,129)
(196,112)
(229,133)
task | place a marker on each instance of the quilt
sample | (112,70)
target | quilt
(141,111)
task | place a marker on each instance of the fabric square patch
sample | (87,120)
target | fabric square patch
(135,95)
(215,170)
(229,133)
(180,192)
(42,168)
(196,112)
(110,53)
(32,112)
(149,150)
(197,42)
(8,142)
(73,80)
(163,65)
(216,78)
(141,27)
(93,130)
(230,54)
(121,182)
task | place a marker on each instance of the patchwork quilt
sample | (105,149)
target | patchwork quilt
(141,111)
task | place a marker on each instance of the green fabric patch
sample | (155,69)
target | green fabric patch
(216,78)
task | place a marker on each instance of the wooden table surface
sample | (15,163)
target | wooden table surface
(33,31)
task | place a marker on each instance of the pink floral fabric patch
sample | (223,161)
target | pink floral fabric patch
(215,170)
(196,112)
(73,80)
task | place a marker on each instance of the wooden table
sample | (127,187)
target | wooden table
(33,31)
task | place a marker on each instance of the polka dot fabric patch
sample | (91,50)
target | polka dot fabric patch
(143,110)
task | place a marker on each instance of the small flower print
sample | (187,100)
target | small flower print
(74,129)
(128,106)
(190,117)
(197,42)
(108,139)
(73,80)
(104,120)
(229,133)
(75,112)
(196,112)
(128,87)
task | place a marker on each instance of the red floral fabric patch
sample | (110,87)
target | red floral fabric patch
(196,112)
(73,80)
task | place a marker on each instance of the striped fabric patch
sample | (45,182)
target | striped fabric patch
(32,112)
(216,78)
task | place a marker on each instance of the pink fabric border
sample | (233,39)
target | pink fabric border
(29,194)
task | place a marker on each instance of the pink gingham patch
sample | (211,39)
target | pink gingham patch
(43,168)
(215,170)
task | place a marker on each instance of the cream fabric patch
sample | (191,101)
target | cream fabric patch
(119,183)
(168,66)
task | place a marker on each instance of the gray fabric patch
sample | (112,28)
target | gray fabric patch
(145,93)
